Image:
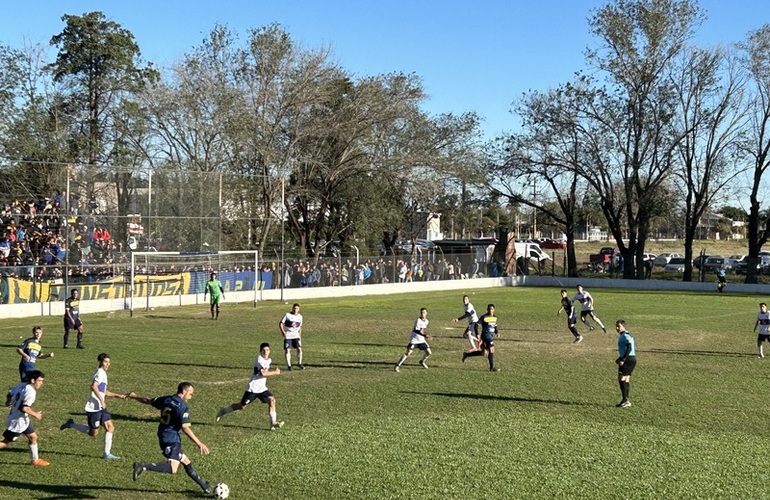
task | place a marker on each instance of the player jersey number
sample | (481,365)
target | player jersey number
(165,416)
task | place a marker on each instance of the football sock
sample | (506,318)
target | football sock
(624,390)
(599,322)
(226,410)
(400,361)
(299,358)
(473,340)
(80,427)
(80,338)
(164,467)
(473,353)
(190,470)
(628,389)
(424,357)
(33,451)
(273,417)
(491,360)
(107,442)
(66,339)
(574,331)
(761,351)
(288,359)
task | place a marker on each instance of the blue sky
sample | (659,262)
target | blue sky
(472,56)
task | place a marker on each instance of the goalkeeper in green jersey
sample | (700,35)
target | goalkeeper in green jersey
(215,290)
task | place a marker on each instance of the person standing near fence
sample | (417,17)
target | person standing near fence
(72,319)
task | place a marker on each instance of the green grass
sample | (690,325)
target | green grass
(544,427)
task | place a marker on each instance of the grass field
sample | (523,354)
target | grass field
(546,426)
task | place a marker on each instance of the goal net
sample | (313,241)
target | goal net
(164,279)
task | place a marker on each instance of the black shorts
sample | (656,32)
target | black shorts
(761,338)
(589,312)
(250,397)
(423,346)
(627,368)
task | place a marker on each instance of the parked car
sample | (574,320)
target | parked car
(714,262)
(664,258)
(699,260)
(553,244)
(675,264)
(732,261)
(763,264)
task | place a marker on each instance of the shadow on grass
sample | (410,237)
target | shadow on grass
(688,352)
(359,365)
(366,344)
(498,398)
(70,491)
(165,363)
(9,345)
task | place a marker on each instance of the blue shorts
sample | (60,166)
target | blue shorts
(172,451)
(72,325)
(487,343)
(292,343)
(250,397)
(95,418)
(11,436)
(473,328)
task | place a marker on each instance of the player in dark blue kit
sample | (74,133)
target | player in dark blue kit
(174,419)
(31,350)
(488,323)
(569,307)
(72,319)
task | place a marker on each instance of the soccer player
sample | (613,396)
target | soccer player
(291,329)
(31,350)
(418,339)
(626,361)
(472,330)
(587,308)
(174,419)
(568,307)
(21,399)
(721,279)
(488,322)
(96,408)
(257,388)
(214,288)
(763,321)
(72,319)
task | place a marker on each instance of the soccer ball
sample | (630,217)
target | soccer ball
(221,490)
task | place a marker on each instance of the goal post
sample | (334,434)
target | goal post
(165,279)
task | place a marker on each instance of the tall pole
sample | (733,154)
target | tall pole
(149,210)
(283,218)
(219,247)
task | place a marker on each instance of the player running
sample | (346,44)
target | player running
(257,389)
(488,333)
(569,307)
(472,330)
(587,308)
(20,399)
(418,339)
(96,408)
